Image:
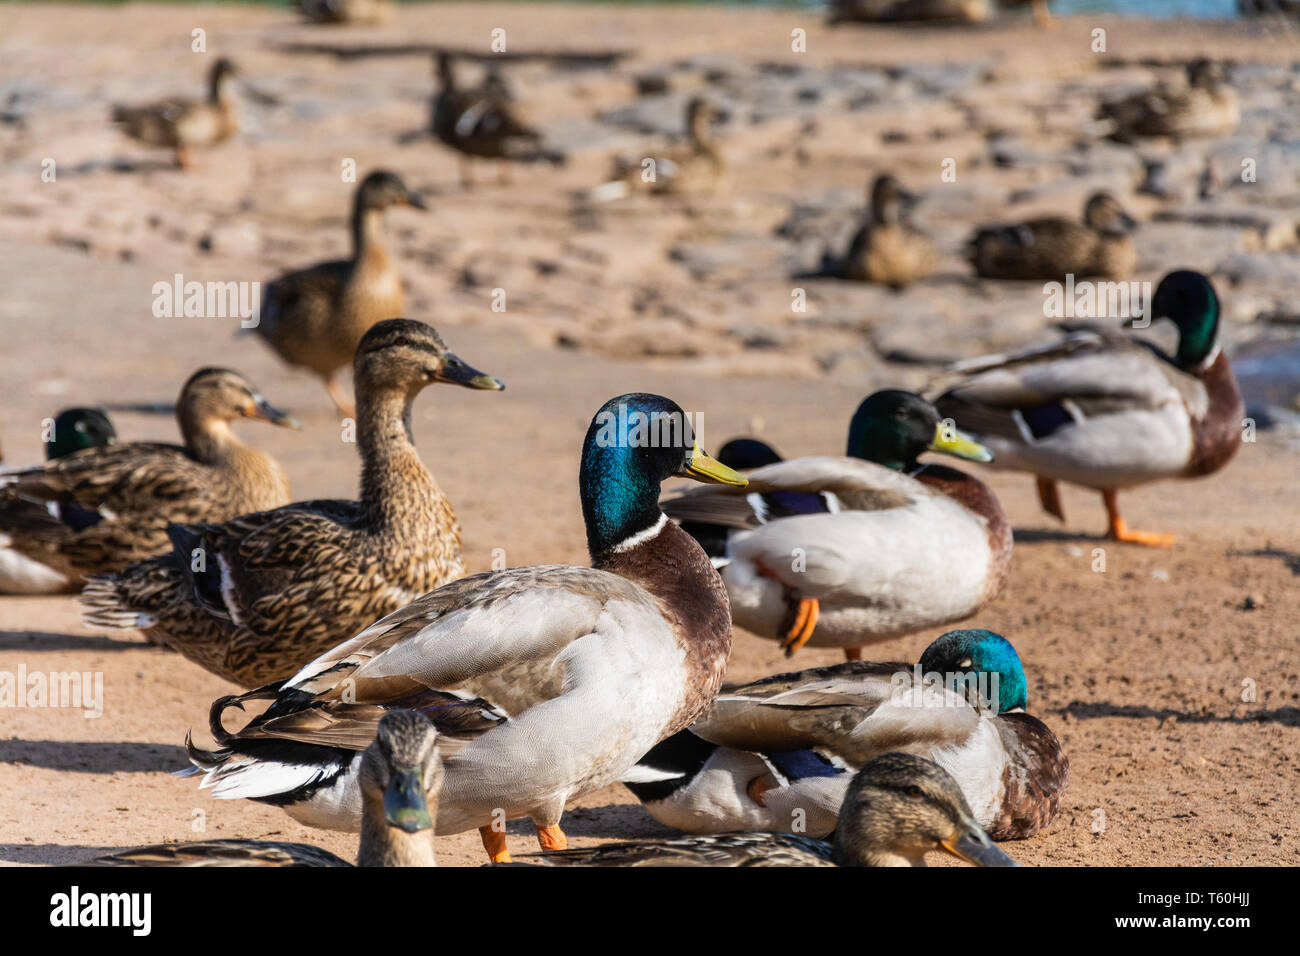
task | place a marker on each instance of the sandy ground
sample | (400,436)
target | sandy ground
(1139,668)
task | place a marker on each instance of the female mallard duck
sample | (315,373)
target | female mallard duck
(314,318)
(888,249)
(843,552)
(1051,248)
(692,168)
(482,122)
(1205,106)
(785,744)
(593,665)
(279,587)
(346,11)
(897,808)
(400,780)
(111,506)
(929,11)
(181,124)
(1106,411)
(73,430)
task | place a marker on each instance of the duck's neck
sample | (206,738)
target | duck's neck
(1198,341)
(368,233)
(394,481)
(210,440)
(382,845)
(698,132)
(217,87)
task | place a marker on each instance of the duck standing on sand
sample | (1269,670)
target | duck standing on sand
(182,124)
(696,167)
(888,249)
(315,317)
(278,587)
(109,506)
(1107,411)
(1053,247)
(555,679)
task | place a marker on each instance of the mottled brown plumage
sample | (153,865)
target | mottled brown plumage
(1205,105)
(113,504)
(1053,247)
(695,167)
(180,123)
(276,588)
(888,249)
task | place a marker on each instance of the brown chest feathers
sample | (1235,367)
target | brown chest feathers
(1217,436)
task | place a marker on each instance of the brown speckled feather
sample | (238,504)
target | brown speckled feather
(1034,780)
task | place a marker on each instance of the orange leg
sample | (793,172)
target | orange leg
(552,838)
(805,622)
(853,653)
(1120,531)
(759,786)
(1049,496)
(494,841)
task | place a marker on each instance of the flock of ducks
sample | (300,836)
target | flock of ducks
(396,696)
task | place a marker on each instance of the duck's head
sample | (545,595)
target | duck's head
(745,454)
(700,113)
(1103,212)
(402,770)
(383,189)
(899,807)
(973,656)
(893,427)
(220,395)
(223,69)
(890,202)
(1188,300)
(403,355)
(635,443)
(78,428)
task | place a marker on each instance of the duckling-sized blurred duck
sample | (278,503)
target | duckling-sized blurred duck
(845,552)
(929,11)
(1108,411)
(695,167)
(182,124)
(346,11)
(314,318)
(1052,247)
(888,249)
(400,780)
(779,751)
(898,808)
(279,587)
(483,122)
(109,506)
(593,666)
(1206,105)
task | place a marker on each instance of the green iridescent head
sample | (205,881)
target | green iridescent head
(893,427)
(981,654)
(78,428)
(1188,300)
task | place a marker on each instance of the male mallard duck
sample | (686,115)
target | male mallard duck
(400,780)
(593,665)
(929,11)
(887,249)
(482,122)
(897,808)
(180,123)
(111,506)
(843,552)
(73,430)
(694,167)
(1050,248)
(1206,106)
(346,11)
(314,318)
(1106,411)
(278,587)
(785,743)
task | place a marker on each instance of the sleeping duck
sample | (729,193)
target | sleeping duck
(695,167)
(776,754)
(113,503)
(182,124)
(255,598)
(1107,411)
(71,431)
(346,11)
(1205,106)
(897,808)
(844,552)
(593,665)
(400,780)
(313,318)
(1053,247)
(888,249)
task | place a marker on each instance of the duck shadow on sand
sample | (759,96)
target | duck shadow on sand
(94,756)
(1088,710)
(51,641)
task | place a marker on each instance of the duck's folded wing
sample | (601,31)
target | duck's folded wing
(123,478)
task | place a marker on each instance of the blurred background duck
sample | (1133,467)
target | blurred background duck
(105,507)
(181,124)
(593,666)
(346,11)
(783,747)
(695,167)
(72,430)
(279,587)
(898,808)
(930,11)
(1205,105)
(1052,247)
(888,249)
(400,780)
(884,545)
(1107,411)
(315,317)
(483,122)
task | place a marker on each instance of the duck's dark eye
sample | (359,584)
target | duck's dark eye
(914,792)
